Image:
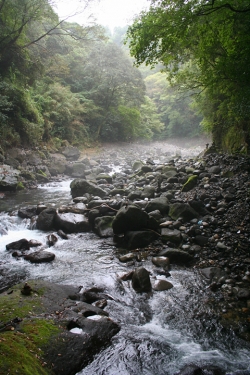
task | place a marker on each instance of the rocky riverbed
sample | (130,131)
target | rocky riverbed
(174,209)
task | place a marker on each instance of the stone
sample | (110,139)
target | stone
(161,204)
(141,281)
(161,285)
(182,210)
(131,218)
(46,219)
(103,226)
(161,261)
(80,187)
(71,153)
(40,257)
(72,223)
(21,245)
(127,257)
(177,256)
(27,212)
(172,235)
(139,239)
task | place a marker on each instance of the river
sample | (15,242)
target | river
(160,333)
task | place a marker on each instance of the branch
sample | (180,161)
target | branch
(210,8)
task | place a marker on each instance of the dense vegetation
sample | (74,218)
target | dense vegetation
(204,47)
(61,82)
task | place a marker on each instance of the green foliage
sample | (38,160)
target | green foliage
(204,46)
(174,108)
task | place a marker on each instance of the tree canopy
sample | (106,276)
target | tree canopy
(204,46)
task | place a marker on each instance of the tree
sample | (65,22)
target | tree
(204,45)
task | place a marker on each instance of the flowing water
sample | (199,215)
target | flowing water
(160,332)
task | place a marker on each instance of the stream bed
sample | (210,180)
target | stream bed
(161,332)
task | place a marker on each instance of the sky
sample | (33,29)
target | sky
(106,12)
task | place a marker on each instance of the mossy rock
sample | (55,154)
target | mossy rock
(21,346)
(190,184)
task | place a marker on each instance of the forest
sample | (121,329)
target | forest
(179,70)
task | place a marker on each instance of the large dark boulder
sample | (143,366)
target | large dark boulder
(161,204)
(131,218)
(72,223)
(20,245)
(79,187)
(141,280)
(182,210)
(46,219)
(138,239)
(40,257)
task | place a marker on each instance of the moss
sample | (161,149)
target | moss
(20,186)
(234,141)
(190,184)
(21,348)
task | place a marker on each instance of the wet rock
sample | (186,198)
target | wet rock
(52,239)
(27,212)
(161,204)
(21,245)
(63,235)
(148,192)
(46,219)
(34,243)
(213,273)
(161,285)
(104,176)
(177,256)
(138,239)
(141,280)
(161,261)
(127,257)
(80,187)
(171,235)
(40,257)
(243,293)
(182,210)
(131,218)
(72,223)
(201,240)
(103,226)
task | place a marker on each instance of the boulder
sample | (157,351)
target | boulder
(27,212)
(104,176)
(182,210)
(141,280)
(57,164)
(148,192)
(161,204)
(76,170)
(80,187)
(171,235)
(21,245)
(177,256)
(138,239)
(9,178)
(131,218)
(213,274)
(45,220)
(103,226)
(72,223)
(161,285)
(71,153)
(40,257)
(127,257)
